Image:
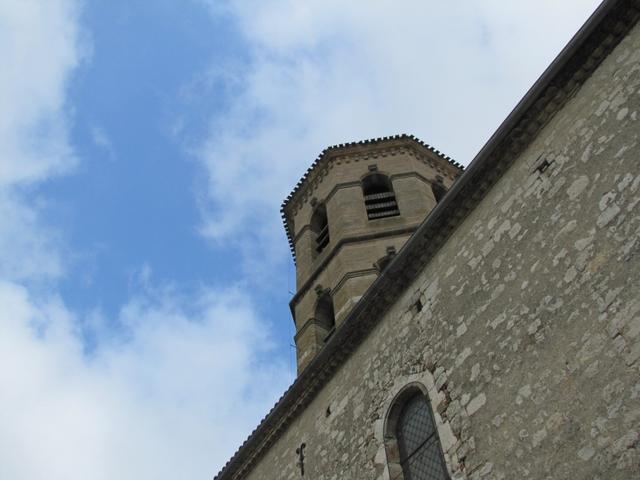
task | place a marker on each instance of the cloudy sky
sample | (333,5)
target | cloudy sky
(145,147)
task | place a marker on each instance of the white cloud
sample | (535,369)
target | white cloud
(169,387)
(326,72)
(28,250)
(171,396)
(39,47)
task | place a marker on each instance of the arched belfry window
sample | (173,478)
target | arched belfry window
(324,314)
(413,446)
(320,228)
(379,198)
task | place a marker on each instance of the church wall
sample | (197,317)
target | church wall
(528,339)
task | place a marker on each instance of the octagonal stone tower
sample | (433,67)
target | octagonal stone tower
(351,212)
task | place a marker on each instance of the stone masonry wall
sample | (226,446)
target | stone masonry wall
(528,339)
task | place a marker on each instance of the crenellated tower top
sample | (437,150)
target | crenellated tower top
(350,213)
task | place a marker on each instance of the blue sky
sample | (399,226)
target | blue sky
(145,148)
(139,207)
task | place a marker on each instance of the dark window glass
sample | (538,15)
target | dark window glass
(420,453)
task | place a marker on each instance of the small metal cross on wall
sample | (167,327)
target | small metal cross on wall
(300,463)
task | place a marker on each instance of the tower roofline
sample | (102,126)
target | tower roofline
(351,148)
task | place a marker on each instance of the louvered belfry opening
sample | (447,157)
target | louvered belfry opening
(379,198)
(320,227)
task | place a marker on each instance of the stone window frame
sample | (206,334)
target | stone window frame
(388,455)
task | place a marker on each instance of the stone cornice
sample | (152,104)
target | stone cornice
(353,274)
(573,66)
(360,151)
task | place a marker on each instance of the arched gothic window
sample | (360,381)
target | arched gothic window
(379,198)
(320,228)
(324,314)
(413,446)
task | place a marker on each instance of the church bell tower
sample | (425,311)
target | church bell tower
(347,217)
